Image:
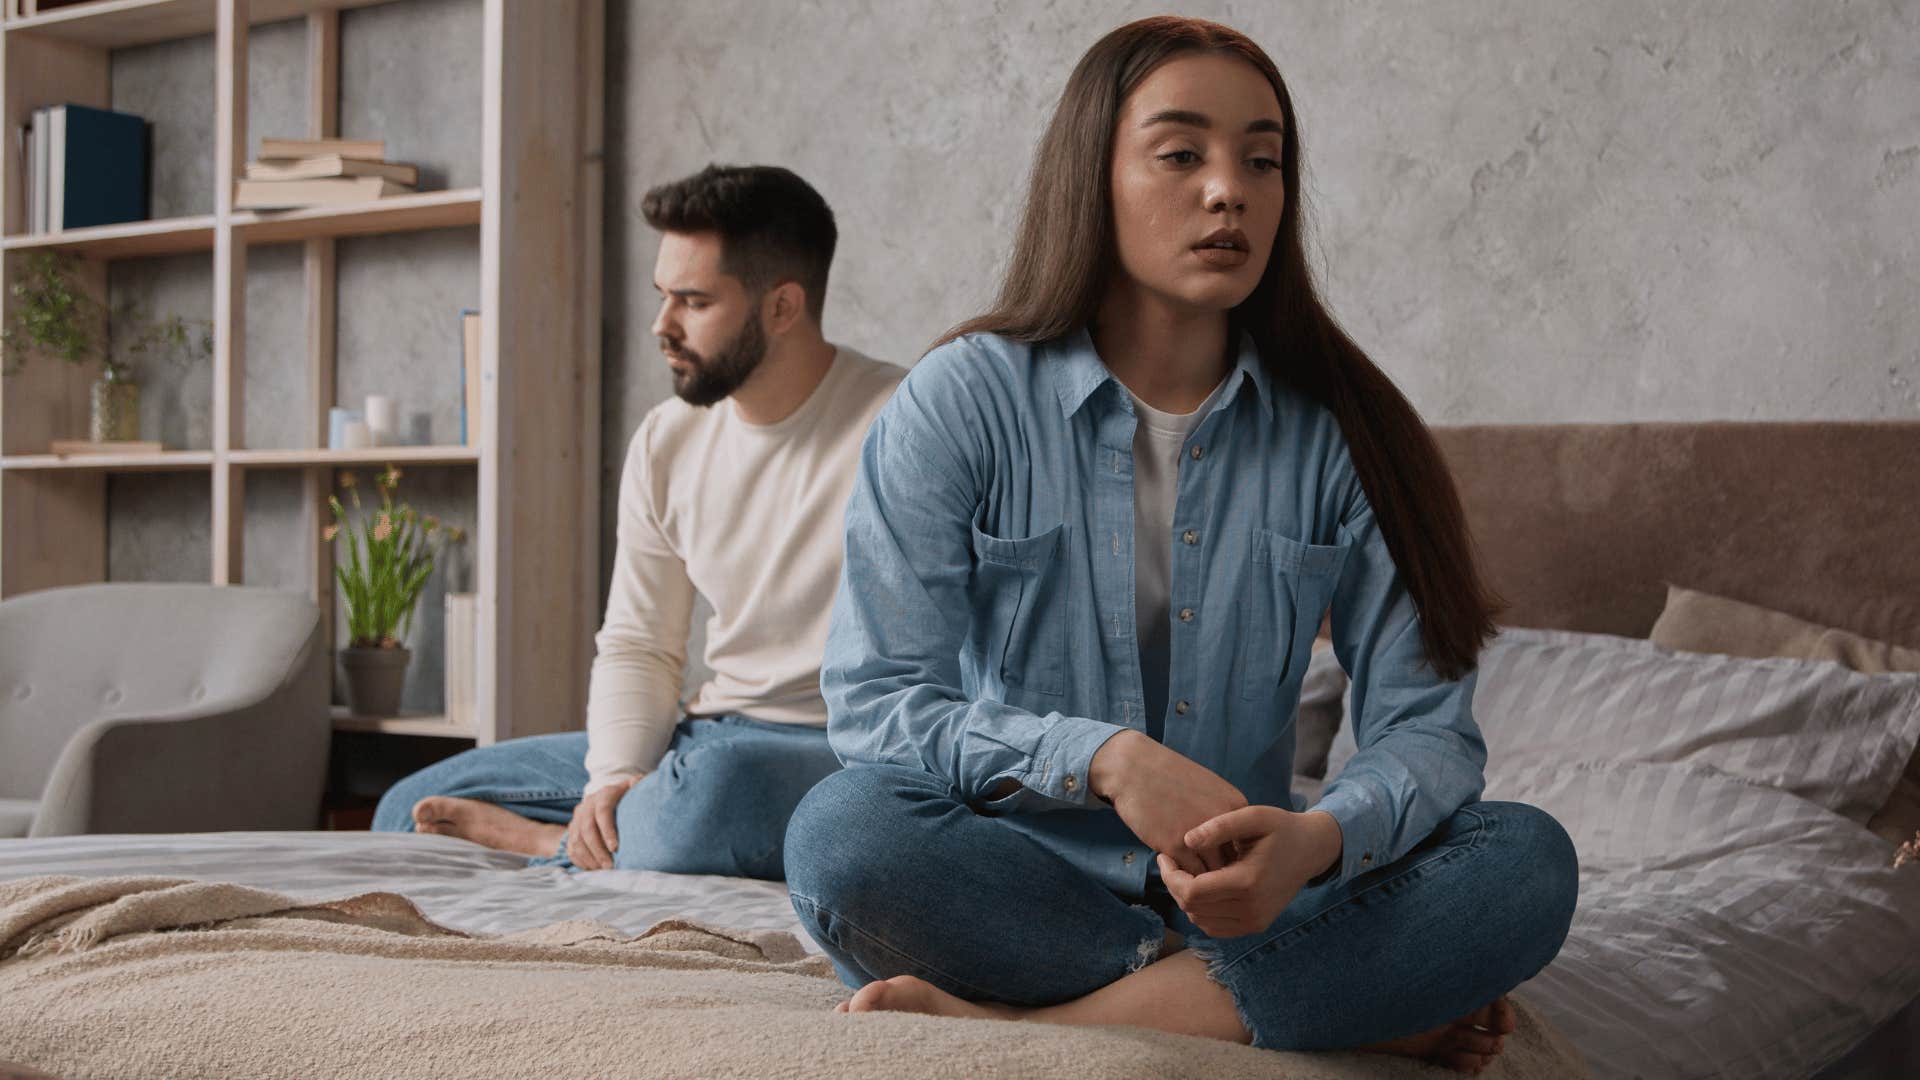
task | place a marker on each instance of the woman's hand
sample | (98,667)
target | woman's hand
(1162,795)
(1277,853)
(591,839)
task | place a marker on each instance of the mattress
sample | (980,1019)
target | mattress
(1740,932)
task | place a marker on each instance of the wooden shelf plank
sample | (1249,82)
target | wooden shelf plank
(164,461)
(166,236)
(378,455)
(404,724)
(116,24)
(401,213)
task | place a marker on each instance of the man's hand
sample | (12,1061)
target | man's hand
(1161,794)
(1278,852)
(591,837)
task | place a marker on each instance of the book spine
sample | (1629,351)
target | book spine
(23,145)
(459,664)
(39,170)
(57,169)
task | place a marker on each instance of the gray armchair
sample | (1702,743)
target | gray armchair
(161,708)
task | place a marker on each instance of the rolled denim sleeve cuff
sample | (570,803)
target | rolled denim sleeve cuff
(1056,774)
(1363,833)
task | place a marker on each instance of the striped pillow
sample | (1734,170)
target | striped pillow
(1829,735)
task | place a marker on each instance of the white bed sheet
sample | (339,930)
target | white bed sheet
(455,883)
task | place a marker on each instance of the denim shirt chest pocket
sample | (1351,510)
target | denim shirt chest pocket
(1289,587)
(1020,599)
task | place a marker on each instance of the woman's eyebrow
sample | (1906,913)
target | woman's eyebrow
(1202,120)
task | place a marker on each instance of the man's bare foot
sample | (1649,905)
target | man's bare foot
(905,993)
(486,823)
(1466,1045)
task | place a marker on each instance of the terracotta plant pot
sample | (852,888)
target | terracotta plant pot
(375,678)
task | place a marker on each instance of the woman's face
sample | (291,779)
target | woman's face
(1197,188)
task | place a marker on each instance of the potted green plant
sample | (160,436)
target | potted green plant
(390,556)
(53,316)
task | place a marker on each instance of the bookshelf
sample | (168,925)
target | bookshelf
(534,457)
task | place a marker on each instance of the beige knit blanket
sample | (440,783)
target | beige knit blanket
(169,977)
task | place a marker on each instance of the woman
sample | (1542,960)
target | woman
(1091,539)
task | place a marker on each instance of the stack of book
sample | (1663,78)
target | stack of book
(83,166)
(320,172)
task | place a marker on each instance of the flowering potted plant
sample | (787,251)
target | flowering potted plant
(390,556)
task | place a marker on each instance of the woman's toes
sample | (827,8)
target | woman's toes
(1467,1040)
(1504,1020)
(1464,1062)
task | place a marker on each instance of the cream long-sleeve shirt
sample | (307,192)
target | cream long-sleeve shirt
(751,517)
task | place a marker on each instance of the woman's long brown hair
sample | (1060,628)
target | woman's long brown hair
(1065,250)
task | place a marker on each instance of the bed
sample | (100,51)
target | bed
(1736,917)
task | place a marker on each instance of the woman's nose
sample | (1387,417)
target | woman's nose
(1225,193)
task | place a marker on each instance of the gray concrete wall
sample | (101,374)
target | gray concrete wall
(1527,210)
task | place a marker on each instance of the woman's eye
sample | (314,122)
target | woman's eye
(1180,157)
(1265,164)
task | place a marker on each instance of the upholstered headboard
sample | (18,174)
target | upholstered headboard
(1579,526)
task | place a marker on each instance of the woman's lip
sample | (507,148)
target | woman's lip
(1223,258)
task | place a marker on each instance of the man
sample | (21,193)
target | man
(735,489)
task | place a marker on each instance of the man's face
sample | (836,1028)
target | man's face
(709,325)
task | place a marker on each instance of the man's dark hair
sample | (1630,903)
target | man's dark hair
(773,226)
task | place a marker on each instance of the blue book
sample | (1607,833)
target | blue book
(97,167)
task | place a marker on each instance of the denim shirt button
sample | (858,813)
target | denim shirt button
(1181,707)
(1199,452)
(1127,858)
(1190,537)
(1367,859)
(1071,782)
(1186,614)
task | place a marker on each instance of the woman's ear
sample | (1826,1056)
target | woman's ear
(786,306)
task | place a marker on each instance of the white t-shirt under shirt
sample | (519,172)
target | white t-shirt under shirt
(752,517)
(1159,441)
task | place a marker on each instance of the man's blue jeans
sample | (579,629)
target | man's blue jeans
(893,874)
(717,804)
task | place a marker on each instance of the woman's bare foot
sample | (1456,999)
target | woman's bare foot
(1466,1045)
(486,823)
(905,993)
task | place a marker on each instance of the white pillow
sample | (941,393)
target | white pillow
(1835,737)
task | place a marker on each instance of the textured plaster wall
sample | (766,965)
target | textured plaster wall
(409,73)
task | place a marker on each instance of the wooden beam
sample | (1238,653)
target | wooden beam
(229,292)
(323,121)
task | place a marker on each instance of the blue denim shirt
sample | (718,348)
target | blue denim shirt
(984,624)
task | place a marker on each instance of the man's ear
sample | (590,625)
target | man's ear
(786,306)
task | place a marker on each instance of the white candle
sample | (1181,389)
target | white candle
(381,420)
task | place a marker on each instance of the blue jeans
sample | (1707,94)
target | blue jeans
(717,804)
(894,875)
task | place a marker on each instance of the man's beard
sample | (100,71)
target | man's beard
(707,381)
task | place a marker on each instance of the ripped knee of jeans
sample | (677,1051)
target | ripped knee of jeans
(1208,950)
(1152,944)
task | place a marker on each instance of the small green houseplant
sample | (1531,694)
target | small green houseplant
(56,318)
(390,556)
